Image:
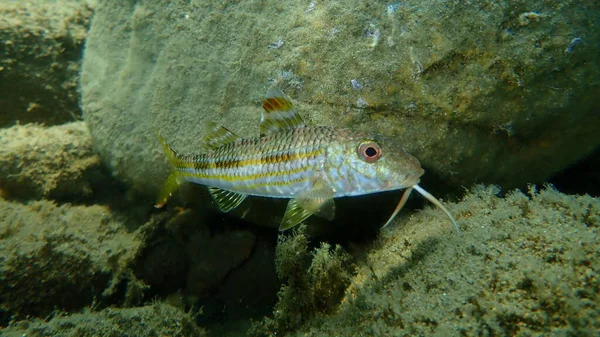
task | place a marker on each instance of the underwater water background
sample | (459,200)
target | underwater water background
(497,100)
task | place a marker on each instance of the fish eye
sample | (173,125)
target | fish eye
(369,151)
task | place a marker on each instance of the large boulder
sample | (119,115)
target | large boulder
(40,59)
(54,162)
(480,91)
(60,257)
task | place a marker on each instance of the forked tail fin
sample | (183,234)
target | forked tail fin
(173,181)
(169,152)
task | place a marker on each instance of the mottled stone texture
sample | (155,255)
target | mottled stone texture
(40,56)
(57,257)
(525,265)
(501,92)
(156,319)
(47,162)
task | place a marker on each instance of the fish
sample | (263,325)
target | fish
(310,165)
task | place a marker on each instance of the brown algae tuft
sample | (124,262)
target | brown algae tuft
(315,283)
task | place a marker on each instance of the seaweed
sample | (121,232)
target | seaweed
(315,283)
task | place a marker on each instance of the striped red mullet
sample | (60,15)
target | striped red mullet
(310,165)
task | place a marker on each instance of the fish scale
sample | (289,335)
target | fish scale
(311,165)
(276,166)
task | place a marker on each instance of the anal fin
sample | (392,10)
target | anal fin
(226,200)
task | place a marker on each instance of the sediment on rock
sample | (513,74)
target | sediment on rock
(40,59)
(55,162)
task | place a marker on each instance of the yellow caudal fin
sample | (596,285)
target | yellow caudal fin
(171,185)
(173,181)
(169,152)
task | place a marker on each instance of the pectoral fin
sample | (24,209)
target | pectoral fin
(294,214)
(317,201)
(226,200)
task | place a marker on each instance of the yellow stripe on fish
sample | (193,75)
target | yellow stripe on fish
(310,165)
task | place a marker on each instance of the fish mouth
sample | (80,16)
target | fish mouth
(411,181)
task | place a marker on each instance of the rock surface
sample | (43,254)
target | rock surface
(478,91)
(58,257)
(157,319)
(40,56)
(525,265)
(55,162)
(454,90)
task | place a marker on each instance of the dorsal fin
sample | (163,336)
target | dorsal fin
(218,136)
(279,113)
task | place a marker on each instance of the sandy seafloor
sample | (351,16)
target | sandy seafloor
(73,257)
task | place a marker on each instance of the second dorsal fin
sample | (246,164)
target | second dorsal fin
(279,113)
(218,136)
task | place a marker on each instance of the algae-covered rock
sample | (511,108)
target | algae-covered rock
(503,92)
(200,261)
(47,162)
(58,257)
(40,57)
(214,257)
(314,283)
(524,265)
(185,253)
(152,320)
(250,290)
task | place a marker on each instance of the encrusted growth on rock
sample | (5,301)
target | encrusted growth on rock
(316,282)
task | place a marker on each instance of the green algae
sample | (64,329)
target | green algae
(54,162)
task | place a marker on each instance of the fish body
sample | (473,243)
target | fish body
(310,165)
(284,164)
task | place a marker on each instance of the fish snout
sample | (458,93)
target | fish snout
(412,179)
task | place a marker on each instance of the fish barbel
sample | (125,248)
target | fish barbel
(310,165)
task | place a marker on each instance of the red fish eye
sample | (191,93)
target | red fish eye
(369,151)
